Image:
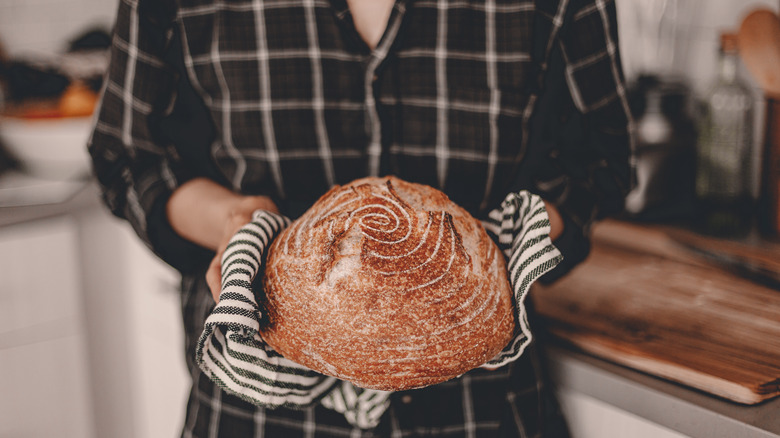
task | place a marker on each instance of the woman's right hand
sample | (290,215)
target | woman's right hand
(209,214)
(237,218)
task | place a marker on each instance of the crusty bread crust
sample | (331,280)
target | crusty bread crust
(389,285)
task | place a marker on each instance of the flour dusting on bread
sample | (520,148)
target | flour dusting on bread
(389,285)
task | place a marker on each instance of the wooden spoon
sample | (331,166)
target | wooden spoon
(759,47)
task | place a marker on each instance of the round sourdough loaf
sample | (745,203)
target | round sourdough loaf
(389,285)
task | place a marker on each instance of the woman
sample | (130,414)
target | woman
(214,109)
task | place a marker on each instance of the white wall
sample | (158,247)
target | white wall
(716,16)
(41,28)
(697,24)
(695,27)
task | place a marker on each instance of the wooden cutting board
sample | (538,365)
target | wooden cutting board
(642,300)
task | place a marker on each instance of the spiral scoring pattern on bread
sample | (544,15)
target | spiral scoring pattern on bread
(389,285)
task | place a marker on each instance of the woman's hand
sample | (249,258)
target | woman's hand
(556,221)
(237,218)
(209,214)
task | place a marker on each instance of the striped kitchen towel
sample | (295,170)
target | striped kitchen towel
(233,354)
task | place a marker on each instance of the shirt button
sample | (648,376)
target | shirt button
(406,399)
(375,78)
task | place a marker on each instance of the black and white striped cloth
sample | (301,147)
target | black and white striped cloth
(233,354)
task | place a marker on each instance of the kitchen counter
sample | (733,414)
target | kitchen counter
(677,407)
(657,322)
(44,198)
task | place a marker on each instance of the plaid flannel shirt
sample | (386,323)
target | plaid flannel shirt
(283,98)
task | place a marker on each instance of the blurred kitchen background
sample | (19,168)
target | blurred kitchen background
(90,338)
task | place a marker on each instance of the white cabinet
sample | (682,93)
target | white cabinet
(91,337)
(40,274)
(45,390)
(591,418)
(136,333)
(157,342)
(44,376)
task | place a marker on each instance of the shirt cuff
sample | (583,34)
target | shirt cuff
(180,253)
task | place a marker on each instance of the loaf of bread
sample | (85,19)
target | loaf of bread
(389,285)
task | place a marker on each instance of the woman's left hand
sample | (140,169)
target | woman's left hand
(556,221)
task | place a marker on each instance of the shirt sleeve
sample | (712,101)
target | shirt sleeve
(582,132)
(136,170)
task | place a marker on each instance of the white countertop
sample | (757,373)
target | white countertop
(25,198)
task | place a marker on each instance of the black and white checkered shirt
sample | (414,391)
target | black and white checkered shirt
(282,97)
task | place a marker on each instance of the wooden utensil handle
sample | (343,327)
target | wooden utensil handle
(770,173)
